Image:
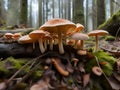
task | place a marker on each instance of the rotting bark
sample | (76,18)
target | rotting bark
(112,25)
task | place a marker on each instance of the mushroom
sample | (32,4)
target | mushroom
(8,35)
(16,36)
(75,60)
(59,26)
(47,38)
(97,33)
(97,70)
(79,27)
(79,36)
(38,35)
(59,67)
(25,39)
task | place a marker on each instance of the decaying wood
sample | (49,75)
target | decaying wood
(26,50)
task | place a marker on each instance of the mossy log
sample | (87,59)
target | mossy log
(112,25)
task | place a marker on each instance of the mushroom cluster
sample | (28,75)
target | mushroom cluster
(11,37)
(60,31)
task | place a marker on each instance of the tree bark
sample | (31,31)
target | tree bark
(23,12)
(26,50)
(100,11)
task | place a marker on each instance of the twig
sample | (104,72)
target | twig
(24,67)
(31,71)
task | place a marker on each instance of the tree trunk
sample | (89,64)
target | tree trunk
(23,12)
(100,11)
(78,11)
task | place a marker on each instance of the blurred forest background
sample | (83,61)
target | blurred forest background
(33,13)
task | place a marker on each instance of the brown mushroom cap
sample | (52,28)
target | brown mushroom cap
(98,32)
(8,35)
(79,36)
(97,70)
(36,34)
(25,39)
(58,25)
(79,27)
(16,36)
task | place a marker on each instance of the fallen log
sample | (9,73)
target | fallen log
(26,50)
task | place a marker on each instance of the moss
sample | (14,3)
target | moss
(110,38)
(112,24)
(101,56)
(10,65)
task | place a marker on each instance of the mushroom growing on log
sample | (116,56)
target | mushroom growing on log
(59,26)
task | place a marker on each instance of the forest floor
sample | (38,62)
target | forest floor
(53,71)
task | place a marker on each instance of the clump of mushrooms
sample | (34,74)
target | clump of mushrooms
(38,35)
(60,27)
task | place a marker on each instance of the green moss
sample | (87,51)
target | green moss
(101,56)
(110,38)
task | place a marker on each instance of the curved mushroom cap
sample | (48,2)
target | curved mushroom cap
(25,39)
(79,27)
(97,70)
(36,34)
(8,35)
(79,36)
(98,32)
(17,35)
(58,25)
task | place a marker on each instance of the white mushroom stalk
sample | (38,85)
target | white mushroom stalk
(38,35)
(42,49)
(60,44)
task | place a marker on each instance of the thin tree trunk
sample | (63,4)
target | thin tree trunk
(94,14)
(100,11)
(23,11)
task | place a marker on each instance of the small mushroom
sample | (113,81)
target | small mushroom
(97,33)
(82,52)
(75,60)
(26,39)
(59,67)
(8,35)
(79,27)
(16,36)
(38,35)
(97,70)
(79,36)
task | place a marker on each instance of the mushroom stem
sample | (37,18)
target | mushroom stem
(60,44)
(96,45)
(42,49)
(59,68)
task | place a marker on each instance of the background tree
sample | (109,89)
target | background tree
(23,11)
